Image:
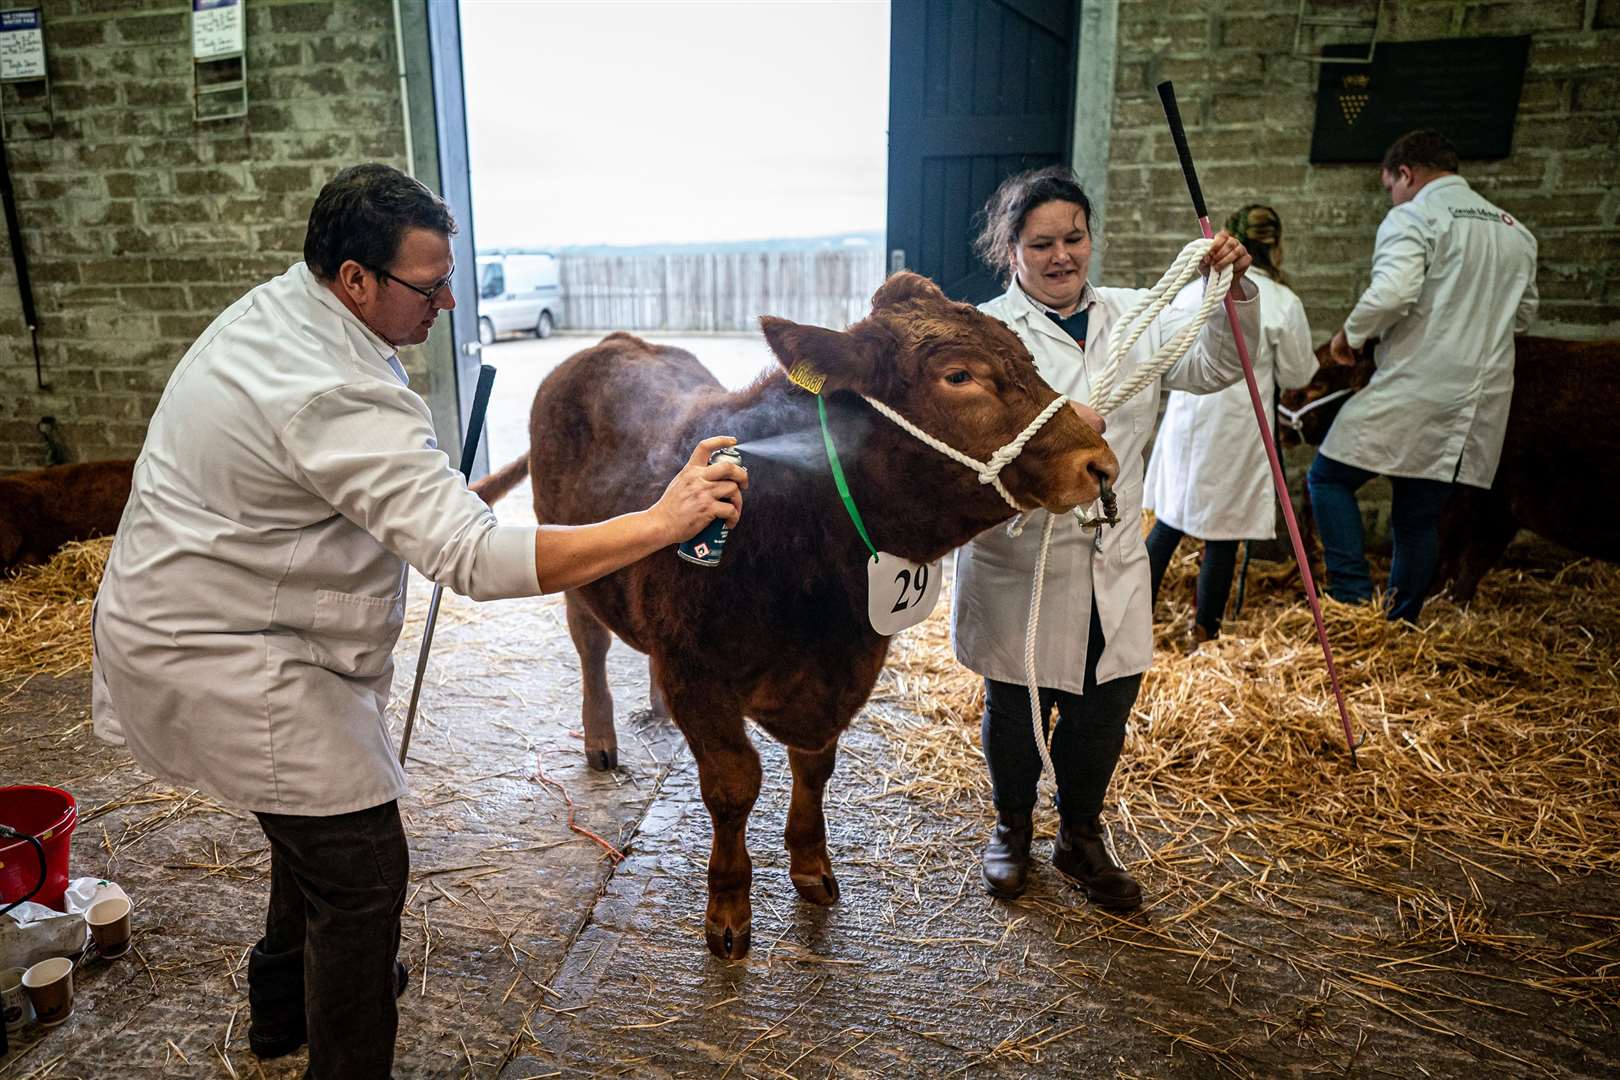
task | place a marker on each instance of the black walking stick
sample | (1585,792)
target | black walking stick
(469,450)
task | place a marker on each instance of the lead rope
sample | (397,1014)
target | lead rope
(1132,325)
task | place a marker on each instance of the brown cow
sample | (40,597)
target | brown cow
(778,632)
(46,508)
(1560,458)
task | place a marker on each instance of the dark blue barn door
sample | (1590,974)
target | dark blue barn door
(978,89)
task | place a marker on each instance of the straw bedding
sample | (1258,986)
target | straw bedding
(45,612)
(1491,737)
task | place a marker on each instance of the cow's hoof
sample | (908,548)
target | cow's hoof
(817,888)
(603,760)
(728,944)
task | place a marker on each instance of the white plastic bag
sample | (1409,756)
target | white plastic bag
(33,932)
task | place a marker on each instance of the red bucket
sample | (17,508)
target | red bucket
(46,813)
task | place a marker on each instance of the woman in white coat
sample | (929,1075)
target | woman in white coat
(1096,634)
(1208,477)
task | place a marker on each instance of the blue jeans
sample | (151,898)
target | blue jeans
(1414,525)
(1214,572)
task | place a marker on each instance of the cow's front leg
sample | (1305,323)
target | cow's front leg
(806,835)
(729,774)
(591,641)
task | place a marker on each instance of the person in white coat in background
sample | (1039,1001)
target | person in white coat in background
(244,626)
(1095,634)
(1208,477)
(1453,279)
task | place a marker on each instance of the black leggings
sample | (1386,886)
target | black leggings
(1085,747)
(1214,572)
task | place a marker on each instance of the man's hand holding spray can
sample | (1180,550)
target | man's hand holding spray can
(705,548)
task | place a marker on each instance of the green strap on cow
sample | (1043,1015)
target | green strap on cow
(838,478)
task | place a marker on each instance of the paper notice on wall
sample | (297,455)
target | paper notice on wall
(22,44)
(216,28)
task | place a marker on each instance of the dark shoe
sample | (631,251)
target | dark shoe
(1006,856)
(1081,855)
(268,1041)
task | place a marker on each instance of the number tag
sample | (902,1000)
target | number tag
(900,593)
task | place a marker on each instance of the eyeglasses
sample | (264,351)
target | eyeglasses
(425,293)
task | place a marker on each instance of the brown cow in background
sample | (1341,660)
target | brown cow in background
(1560,457)
(778,632)
(46,508)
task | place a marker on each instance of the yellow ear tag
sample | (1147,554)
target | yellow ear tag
(807,377)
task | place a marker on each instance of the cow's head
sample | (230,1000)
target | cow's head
(961,376)
(1330,378)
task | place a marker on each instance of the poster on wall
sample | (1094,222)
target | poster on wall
(216,29)
(22,45)
(1466,88)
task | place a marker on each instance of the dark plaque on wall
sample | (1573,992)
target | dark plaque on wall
(1466,88)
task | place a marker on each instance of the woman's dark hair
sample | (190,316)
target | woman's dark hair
(1002,218)
(1259,229)
(1424,148)
(362,213)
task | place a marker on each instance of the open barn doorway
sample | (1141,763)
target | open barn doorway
(671,169)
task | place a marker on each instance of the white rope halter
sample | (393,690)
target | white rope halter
(1291,418)
(989,471)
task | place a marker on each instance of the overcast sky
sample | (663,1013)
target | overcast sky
(666,121)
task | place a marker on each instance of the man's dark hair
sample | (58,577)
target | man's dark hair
(1003,216)
(1421,149)
(363,212)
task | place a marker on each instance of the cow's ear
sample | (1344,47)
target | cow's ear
(815,357)
(905,287)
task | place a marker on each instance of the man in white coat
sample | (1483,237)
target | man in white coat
(256,588)
(1453,279)
(1096,634)
(1209,477)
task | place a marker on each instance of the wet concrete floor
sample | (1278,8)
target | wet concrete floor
(531,957)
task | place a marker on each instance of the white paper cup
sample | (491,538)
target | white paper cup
(50,987)
(14,1001)
(110,925)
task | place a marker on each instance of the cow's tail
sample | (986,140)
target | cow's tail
(498,484)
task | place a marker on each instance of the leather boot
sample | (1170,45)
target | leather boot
(1006,856)
(1081,854)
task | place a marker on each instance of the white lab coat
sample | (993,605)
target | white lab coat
(256,587)
(994,571)
(1453,279)
(1208,476)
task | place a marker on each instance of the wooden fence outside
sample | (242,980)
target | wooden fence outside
(718,291)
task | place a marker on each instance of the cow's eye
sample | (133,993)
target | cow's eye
(957,378)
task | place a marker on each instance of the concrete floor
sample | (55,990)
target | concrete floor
(533,957)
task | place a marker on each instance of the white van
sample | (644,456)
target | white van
(517,294)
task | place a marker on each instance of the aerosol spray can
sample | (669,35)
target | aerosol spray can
(704,549)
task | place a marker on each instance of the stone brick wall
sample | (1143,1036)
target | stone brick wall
(1249,105)
(141,224)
